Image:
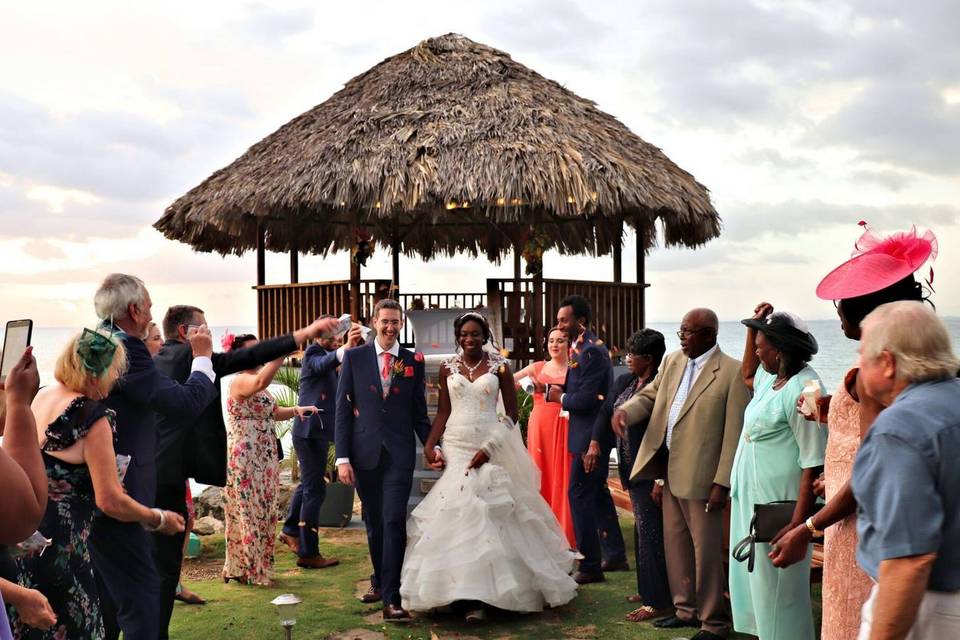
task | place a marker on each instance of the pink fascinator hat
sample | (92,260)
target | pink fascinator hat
(879,262)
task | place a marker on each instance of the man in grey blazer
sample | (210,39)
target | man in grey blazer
(695,408)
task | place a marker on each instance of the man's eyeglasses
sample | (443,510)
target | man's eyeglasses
(690,332)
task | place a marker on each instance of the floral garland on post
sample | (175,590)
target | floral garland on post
(535,243)
(363,249)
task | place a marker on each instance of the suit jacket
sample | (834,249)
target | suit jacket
(318,387)
(141,393)
(195,445)
(707,430)
(589,375)
(367,421)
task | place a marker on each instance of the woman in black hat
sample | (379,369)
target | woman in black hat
(779,455)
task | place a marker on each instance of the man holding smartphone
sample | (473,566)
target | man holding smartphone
(311,441)
(196,446)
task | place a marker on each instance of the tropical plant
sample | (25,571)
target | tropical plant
(524,407)
(286,391)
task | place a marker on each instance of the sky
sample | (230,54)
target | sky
(802,118)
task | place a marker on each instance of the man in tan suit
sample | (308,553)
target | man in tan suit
(695,410)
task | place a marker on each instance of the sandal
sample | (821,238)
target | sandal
(646,612)
(635,598)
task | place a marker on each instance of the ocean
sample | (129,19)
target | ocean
(836,355)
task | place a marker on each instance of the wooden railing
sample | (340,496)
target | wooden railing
(282,308)
(618,308)
(618,311)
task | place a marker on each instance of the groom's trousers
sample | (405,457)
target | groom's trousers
(594,517)
(384,491)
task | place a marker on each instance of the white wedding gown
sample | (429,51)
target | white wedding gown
(485,534)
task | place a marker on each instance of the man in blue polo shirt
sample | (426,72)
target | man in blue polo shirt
(906,476)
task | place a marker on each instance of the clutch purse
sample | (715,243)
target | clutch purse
(767,521)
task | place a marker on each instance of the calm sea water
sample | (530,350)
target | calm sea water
(835,357)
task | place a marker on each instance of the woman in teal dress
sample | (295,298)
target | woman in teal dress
(779,455)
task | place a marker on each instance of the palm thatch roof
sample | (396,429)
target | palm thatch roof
(449,146)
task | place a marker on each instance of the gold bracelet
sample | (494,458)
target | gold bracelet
(816,533)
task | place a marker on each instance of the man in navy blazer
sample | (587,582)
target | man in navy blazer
(381,409)
(311,441)
(195,446)
(589,375)
(121,551)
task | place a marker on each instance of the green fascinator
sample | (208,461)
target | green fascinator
(96,351)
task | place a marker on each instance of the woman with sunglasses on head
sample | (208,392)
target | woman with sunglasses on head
(76,434)
(881,271)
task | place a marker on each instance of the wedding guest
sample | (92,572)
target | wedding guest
(122,552)
(311,442)
(547,431)
(153,339)
(688,447)
(645,350)
(906,478)
(24,496)
(195,446)
(76,435)
(589,375)
(880,272)
(253,471)
(778,458)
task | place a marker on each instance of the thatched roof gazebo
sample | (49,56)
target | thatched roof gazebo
(449,147)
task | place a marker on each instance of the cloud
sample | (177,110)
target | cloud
(775,158)
(907,125)
(112,153)
(893,180)
(270,25)
(746,221)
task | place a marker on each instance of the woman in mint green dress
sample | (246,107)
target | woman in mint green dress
(779,456)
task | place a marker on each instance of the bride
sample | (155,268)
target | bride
(483,535)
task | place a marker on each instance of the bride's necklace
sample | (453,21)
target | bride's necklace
(471,370)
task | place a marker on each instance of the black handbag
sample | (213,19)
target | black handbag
(279,450)
(767,521)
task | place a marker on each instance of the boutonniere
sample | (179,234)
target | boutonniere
(572,363)
(408,372)
(398,367)
(418,356)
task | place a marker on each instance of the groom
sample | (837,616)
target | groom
(381,404)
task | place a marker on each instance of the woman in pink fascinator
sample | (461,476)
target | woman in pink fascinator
(881,270)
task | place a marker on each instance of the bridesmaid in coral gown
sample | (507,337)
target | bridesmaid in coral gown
(547,432)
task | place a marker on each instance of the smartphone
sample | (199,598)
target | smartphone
(16,339)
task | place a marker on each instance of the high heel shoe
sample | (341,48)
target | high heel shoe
(240,579)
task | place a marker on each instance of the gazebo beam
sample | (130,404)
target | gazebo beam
(294,266)
(618,253)
(261,254)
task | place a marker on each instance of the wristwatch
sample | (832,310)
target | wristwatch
(816,533)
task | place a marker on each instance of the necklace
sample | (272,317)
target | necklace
(471,370)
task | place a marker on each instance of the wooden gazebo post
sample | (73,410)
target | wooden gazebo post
(618,252)
(355,274)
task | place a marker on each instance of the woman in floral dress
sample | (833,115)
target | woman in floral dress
(253,478)
(76,439)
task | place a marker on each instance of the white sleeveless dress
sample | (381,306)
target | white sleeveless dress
(486,534)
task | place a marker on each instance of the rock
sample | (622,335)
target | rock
(209,503)
(207,525)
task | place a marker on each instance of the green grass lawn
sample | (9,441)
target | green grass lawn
(331,609)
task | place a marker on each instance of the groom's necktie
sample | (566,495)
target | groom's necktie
(682,392)
(385,372)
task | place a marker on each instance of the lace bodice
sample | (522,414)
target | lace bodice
(474,406)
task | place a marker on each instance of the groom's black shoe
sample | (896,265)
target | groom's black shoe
(372,595)
(395,613)
(673,622)
(586,578)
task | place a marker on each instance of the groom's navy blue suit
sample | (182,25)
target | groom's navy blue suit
(589,375)
(376,432)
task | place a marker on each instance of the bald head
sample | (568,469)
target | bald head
(698,332)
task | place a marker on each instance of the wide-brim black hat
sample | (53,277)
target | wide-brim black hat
(787,330)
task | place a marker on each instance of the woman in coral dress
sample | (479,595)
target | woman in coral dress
(547,432)
(253,472)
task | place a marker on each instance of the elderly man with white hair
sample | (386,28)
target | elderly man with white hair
(906,476)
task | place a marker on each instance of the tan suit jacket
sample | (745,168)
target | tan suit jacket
(707,430)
